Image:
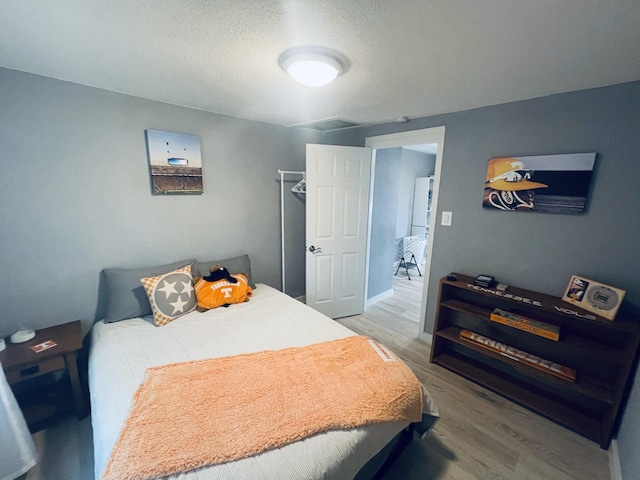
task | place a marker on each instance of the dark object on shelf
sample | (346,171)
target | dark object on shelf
(602,352)
(452,277)
(484,281)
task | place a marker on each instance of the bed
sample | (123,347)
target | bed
(121,351)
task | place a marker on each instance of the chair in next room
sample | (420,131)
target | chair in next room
(413,251)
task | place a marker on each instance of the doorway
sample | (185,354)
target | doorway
(435,138)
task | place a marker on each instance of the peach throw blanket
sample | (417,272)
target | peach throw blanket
(194,414)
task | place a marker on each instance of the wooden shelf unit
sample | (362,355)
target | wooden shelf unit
(604,354)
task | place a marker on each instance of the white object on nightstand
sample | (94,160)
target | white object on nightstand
(3,345)
(23,335)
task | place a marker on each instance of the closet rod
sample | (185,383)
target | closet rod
(282,174)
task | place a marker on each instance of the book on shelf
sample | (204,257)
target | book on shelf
(521,356)
(542,329)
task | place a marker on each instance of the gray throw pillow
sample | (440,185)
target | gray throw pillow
(126,297)
(240,264)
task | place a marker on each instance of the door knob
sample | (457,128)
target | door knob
(313,249)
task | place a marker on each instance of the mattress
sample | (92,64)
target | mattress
(121,352)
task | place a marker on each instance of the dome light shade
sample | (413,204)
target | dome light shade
(312,70)
(312,66)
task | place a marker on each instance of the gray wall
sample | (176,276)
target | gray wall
(540,251)
(413,164)
(629,435)
(75,196)
(383,221)
(294,225)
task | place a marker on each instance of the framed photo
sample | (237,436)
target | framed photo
(595,297)
(175,163)
(545,184)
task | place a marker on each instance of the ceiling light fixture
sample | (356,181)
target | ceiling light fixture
(313,66)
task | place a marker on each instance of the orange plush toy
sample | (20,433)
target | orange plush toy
(221,288)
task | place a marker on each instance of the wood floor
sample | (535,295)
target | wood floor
(480,435)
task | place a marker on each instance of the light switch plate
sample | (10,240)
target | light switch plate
(446,218)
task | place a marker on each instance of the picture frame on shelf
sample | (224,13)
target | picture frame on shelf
(595,297)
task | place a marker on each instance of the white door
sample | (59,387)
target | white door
(337,210)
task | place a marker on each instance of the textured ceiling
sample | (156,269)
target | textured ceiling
(408,57)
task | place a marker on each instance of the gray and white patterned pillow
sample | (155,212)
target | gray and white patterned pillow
(171,294)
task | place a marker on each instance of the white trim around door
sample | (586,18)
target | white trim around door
(402,139)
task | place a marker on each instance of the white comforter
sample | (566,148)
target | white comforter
(120,353)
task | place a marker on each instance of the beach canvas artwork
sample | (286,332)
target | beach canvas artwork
(175,163)
(545,184)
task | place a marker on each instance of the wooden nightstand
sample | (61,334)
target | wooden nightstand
(46,384)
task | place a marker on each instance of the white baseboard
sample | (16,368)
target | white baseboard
(614,461)
(426,337)
(378,298)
